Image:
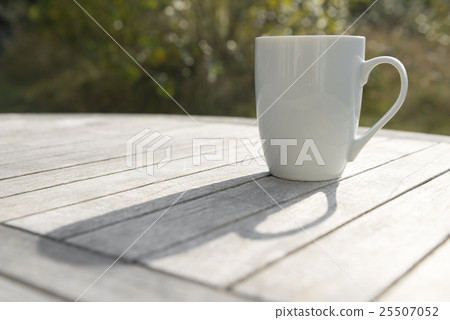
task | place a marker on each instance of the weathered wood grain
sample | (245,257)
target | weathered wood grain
(380,152)
(96,140)
(427,281)
(13,291)
(55,130)
(398,134)
(387,149)
(192,219)
(17,125)
(31,133)
(374,251)
(79,218)
(64,177)
(67,272)
(80,191)
(107,135)
(118,149)
(39,125)
(41,180)
(237,247)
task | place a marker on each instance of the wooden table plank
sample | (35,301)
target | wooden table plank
(192,219)
(64,177)
(28,134)
(31,132)
(67,271)
(427,281)
(79,218)
(12,291)
(118,149)
(398,134)
(63,195)
(82,138)
(86,171)
(327,209)
(96,141)
(374,250)
(391,150)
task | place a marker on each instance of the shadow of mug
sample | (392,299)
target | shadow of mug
(330,194)
(244,224)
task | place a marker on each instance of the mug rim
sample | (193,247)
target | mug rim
(311,36)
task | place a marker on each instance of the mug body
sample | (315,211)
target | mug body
(308,99)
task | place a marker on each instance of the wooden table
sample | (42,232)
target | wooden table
(70,205)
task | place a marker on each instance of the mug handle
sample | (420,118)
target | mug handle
(359,142)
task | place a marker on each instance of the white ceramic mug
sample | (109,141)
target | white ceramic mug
(308,99)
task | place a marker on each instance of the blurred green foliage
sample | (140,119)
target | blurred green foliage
(54,58)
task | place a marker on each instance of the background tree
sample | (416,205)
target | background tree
(54,58)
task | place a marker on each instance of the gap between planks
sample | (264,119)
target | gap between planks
(136,178)
(419,275)
(108,123)
(102,131)
(268,265)
(66,271)
(89,176)
(95,240)
(72,147)
(28,168)
(352,170)
(16,290)
(101,138)
(375,249)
